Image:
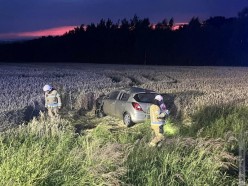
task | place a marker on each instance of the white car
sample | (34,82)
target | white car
(129,104)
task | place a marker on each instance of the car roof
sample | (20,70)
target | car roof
(133,90)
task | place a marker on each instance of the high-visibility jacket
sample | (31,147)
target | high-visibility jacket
(52,99)
(157,117)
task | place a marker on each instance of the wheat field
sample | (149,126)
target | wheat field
(185,89)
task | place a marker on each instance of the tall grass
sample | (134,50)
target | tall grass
(43,153)
(183,161)
(180,160)
(49,152)
(226,122)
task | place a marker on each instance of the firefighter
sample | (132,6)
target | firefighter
(157,115)
(52,101)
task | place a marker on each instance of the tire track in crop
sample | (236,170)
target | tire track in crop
(173,80)
(168,79)
(124,78)
(134,81)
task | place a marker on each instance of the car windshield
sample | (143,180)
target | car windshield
(145,97)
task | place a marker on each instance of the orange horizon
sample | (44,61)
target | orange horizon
(57,31)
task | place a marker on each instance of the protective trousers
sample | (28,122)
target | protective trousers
(158,133)
(53,112)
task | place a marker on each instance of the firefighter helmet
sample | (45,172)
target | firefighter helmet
(47,88)
(159,97)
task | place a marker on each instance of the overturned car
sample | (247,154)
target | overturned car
(130,104)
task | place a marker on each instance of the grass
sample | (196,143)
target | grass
(179,163)
(46,152)
(226,122)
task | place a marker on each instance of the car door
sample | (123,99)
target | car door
(121,103)
(109,103)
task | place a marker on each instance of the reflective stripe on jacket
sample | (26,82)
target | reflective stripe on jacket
(52,99)
(155,115)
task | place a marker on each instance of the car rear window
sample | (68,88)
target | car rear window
(145,97)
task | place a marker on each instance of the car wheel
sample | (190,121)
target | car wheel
(100,114)
(127,120)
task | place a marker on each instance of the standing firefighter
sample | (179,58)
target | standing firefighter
(157,114)
(52,101)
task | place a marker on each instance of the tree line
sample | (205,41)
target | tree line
(216,41)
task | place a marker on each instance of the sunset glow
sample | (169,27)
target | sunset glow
(178,25)
(39,33)
(175,26)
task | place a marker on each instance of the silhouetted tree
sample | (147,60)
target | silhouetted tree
(162,25)
(194,23)
(125,24)
(171,23)
(243,13)
(216,41)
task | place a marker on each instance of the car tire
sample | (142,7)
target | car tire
(100,114)
(127,120)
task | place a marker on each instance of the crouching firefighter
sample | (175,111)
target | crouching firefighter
(157,116)
(52,101)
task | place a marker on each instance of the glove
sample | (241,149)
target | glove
(161,116)
(167,112)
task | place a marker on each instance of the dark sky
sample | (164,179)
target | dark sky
(32,15)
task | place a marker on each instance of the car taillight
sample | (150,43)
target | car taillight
(136,106)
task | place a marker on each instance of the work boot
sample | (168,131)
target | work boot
(159,144)
(152,144)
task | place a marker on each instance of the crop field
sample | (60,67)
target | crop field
(209,111)
(186,89)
